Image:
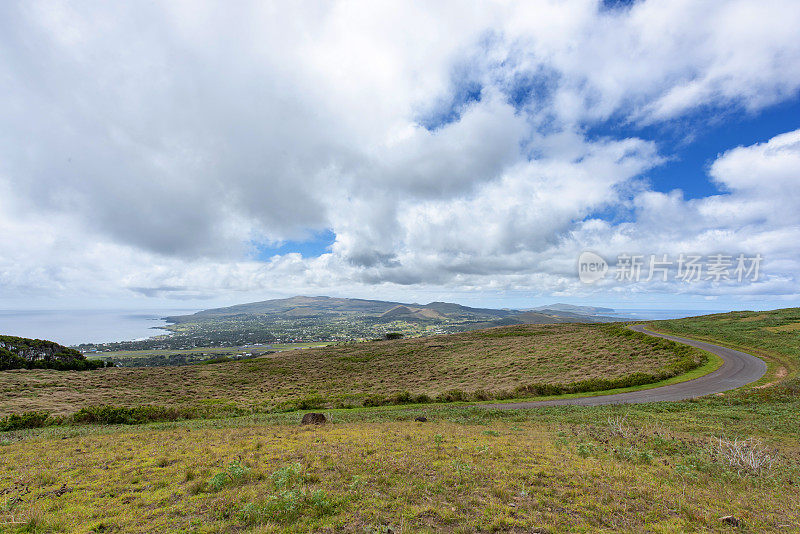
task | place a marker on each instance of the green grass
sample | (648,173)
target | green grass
(567,469)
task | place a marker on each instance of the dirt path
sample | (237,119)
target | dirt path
(738,369)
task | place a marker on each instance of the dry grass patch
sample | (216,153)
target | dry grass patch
(493,361)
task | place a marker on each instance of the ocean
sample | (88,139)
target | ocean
(657,315)
(73,327)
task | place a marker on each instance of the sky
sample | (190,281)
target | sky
(196,154)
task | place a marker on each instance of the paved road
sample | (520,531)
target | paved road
(737,370)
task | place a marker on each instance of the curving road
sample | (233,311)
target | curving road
(738,369)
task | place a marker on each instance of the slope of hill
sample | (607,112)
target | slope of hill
(773,335)
(24,353)
(507,362)
(411,313)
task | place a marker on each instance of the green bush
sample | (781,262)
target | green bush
(453,395)
(25,420)
(59,358)
(235,475)
(375,400)
(422,399)
(404,397)
(291,500)
(311,402)
(121,415)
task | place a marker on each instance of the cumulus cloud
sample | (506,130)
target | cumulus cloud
(146,148)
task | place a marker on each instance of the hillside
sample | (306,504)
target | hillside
(773,334)
(507,362)
(24,353)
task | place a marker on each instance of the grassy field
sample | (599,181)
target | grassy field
(498,363)
(608,469)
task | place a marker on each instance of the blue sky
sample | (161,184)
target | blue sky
(318,244)
(395,151)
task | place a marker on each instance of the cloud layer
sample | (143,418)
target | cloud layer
(147,149)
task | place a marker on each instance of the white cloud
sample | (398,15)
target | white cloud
(147,147)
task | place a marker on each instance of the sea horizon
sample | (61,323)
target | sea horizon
(73,327)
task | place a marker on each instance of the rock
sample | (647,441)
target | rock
(730,520)
(421,419)
(312,418)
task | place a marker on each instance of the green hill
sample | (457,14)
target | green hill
(24,353)
(500,363)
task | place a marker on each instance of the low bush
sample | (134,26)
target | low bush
(404,397)
(453,395)
(311,402)
(375,400)
(422,398)
(122,415)
(235,475)
(25,420)
(291,500)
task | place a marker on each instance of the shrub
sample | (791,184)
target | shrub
(311,402)
(482,395)
(404,397)
(453,395)
(25,420)
(121,415)
(105,415)
(375,400)
(422,398)
(235,475)
(394,335)
(290,501)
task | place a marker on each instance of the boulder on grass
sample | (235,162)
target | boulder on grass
(421,419)
(730,520)
(313,418)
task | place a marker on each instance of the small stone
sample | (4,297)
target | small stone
(421,419)
(730,520)
(313,418)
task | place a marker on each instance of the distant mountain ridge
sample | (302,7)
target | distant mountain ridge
(321,307)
